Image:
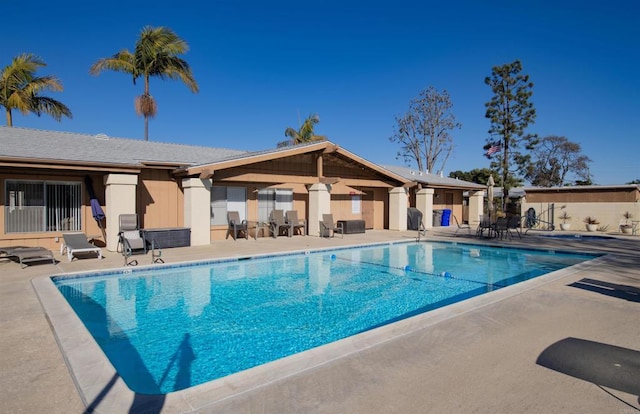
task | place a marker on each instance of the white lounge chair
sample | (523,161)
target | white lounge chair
(75,243)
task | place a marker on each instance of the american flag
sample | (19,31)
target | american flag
(493,149)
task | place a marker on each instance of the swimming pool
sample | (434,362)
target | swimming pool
(168,328)
(577,236)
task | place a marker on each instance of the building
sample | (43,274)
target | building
(49,177)
(434,192)
(606,203)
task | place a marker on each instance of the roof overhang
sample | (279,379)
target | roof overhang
(67,165)
(380,170)
(297,188)
(250,158)
(584,188)
(164,165)
(322,147)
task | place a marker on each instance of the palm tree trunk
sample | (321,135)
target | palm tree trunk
(9,118)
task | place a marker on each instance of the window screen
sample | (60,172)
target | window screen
(41,206)
(270,199)
(225,199)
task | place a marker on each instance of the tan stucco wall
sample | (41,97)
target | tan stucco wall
(197,214)
(341,208)
(120,198)
(160,200)
(588,195)
(398,200)
(608,214)
(476,205)
(424,203)
(319,204)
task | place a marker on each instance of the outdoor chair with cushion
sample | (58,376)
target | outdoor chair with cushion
(77,243)
(299,225)
(236,226)
(130,238)
(27,254)
(279,224)
(328,227)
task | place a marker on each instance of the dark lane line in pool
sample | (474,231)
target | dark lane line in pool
(444,275)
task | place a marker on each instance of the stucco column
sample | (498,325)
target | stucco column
(424,203)
(120,198)
(319,204)
(197,209)
(398,209)
(476,207)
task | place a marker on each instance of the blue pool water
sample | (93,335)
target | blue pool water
(168,328)
(577,237)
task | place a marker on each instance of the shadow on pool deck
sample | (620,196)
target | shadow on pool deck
(610,289)
(601,364)
(482,359)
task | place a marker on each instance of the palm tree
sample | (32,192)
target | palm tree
(304,134)
(156,54)
(20,89)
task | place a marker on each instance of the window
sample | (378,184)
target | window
(270,199)
(356,202)
(225,199)
(40,206)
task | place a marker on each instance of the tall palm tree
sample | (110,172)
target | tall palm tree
(156,54)
(304,134)
(20,89)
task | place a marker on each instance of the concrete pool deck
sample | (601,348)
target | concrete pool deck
(488,356)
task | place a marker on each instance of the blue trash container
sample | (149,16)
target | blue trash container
(446,216)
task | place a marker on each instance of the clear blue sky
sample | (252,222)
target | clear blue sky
(263,65)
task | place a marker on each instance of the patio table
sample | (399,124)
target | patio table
(260,227)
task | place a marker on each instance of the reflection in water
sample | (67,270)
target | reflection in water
(424,256)
(319,274)
(197,292)
(121,304)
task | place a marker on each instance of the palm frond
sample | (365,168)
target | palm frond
(155,55)
(306,132)
(20,89)
(44,83)
(291,133)
(122,61)
(51,107)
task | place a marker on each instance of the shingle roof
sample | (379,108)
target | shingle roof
(432,179)
(69,146)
